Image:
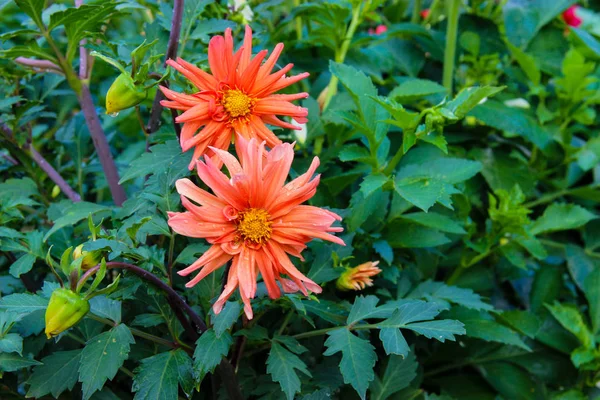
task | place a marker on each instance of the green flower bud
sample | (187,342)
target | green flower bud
(64,310)
(124,94)
(90,258)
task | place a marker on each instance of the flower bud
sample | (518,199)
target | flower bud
(90,258)
(124,94)
(358,278)
(64,310)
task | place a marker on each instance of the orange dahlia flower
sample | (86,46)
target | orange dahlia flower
(238,96)
(253,219)
(358,278)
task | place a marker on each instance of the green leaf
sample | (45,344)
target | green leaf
(512,120)
(57,374)
(75,213)
(393,341)
(399,373)
(439,329)
(226,318)
(510,381)
(148,320)
(282,365)
(162,157)
(33,8)
(23,303)
(209,352)
(572,320)
(426,183)
(435,220)
(579,264)
(101,358)
(469,98)
(11,343)
(414,89)
(591,288)
(408,235)
(362,308)
(22,265)
(10,362)
(371,183)
(358,358)
(106,308)
(157,377)
(527,64)
(561,217)
(436,291)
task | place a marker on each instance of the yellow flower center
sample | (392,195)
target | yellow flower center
(254,225)
(237,103)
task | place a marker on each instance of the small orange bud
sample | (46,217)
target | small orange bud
(358,278)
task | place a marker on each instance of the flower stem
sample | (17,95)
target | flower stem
(450,51)
(175,301)
(172,47)
(298,23)
(53,174)
(416,12)
(101,144)
(340,54)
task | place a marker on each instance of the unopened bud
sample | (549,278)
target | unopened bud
(358,278)
(90,258)
(124,94)
(65,309)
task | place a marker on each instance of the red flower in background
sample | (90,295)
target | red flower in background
(380,29)
(570,17)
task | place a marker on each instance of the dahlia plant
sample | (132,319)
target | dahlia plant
(403,204)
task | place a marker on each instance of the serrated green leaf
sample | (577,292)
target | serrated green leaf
(399,373)
(23,303)
(413,89)
(74,214)
(560,217)
(358,358)
(57,374)
(101,358)
(591,288)
(161,158)
(431,290)
(226,318)
(572,320)
(11,343)
(282,365)
(362,308)
(469,98)
(209,352)
(481,325)
(22,265)
(158,376)
(435,220)
(393,341)
(372,183)
(33,8)
(10,362)
(107,308)
(497,115)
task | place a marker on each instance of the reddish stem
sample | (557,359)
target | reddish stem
(101,144)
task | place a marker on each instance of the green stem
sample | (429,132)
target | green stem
(552,196)
(298,23)
(416,13)
(340,54)
(461,268)
(286,321)
(450,51)
(138,333)
(394,161)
